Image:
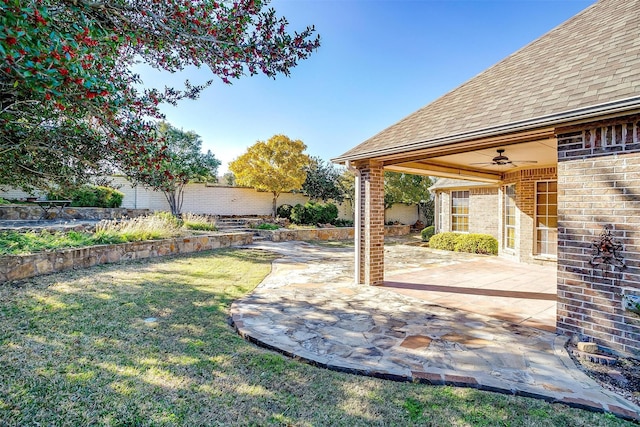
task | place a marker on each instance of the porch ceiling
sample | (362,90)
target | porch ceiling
(461,162)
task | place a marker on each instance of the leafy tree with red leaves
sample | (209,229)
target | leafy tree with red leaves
(70,105)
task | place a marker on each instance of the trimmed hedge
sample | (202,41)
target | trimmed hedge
(474,243)
(444,241)
(427,233)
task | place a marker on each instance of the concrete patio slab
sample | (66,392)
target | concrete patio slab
(309,308)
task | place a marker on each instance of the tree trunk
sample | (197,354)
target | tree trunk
(175,199)
(275,204)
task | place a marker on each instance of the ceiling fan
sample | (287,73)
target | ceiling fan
(502,160)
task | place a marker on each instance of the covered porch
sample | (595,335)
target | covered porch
(565,108)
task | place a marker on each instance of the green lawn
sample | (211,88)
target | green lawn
(75,350)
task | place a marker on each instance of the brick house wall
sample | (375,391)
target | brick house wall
(484,211)
(598,186)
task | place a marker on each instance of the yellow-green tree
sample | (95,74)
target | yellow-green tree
(277,166)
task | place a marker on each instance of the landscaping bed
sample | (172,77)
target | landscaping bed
(32,253)
(621,377)
(20,267)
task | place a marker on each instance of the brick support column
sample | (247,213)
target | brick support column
(598,186)
(370,210)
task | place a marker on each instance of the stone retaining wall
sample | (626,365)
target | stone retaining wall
(34,212)
(18,267)
(339,233)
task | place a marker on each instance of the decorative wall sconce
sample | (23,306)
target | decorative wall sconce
(607,251)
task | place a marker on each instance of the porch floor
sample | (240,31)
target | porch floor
(309,308)
(519,293)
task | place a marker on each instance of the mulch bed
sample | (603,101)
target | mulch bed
(621,377)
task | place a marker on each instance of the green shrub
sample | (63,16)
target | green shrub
(4,202)
(14,243)
(267,226)
(327,213)
(474,243)
(343,222)
(298,214)
(90,196)
(314,213)
(284,211)
(444,241)
(427,233)
(477,244)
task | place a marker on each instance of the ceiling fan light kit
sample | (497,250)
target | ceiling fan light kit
(502,160)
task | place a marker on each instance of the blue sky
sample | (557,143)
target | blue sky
(380,60)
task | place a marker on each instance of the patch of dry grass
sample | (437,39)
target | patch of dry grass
(83,348)
(193,221)
(161,225)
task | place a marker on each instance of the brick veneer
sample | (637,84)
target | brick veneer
(484,211)
(598,185)
(372,223)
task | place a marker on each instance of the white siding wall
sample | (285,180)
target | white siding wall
(404,214)
(222,200)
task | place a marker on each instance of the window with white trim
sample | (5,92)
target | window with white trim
(509,221)
(547,218)
(460,211)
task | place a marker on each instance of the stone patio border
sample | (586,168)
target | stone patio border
(309,309)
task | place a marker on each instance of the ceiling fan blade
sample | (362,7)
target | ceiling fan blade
(524,161)
(491,163)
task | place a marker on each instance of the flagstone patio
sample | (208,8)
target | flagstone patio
(310,309)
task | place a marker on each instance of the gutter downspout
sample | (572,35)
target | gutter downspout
(357,221)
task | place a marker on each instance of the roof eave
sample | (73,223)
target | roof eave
(566,117)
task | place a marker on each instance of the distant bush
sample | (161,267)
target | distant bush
(314,213)
(474,243)
(267,226)
(4,202)
(427,233)
(477,244)
(284,211)
(90,196)
(444,241)
(343,222)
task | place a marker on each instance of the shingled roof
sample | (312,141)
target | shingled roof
(589,64)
